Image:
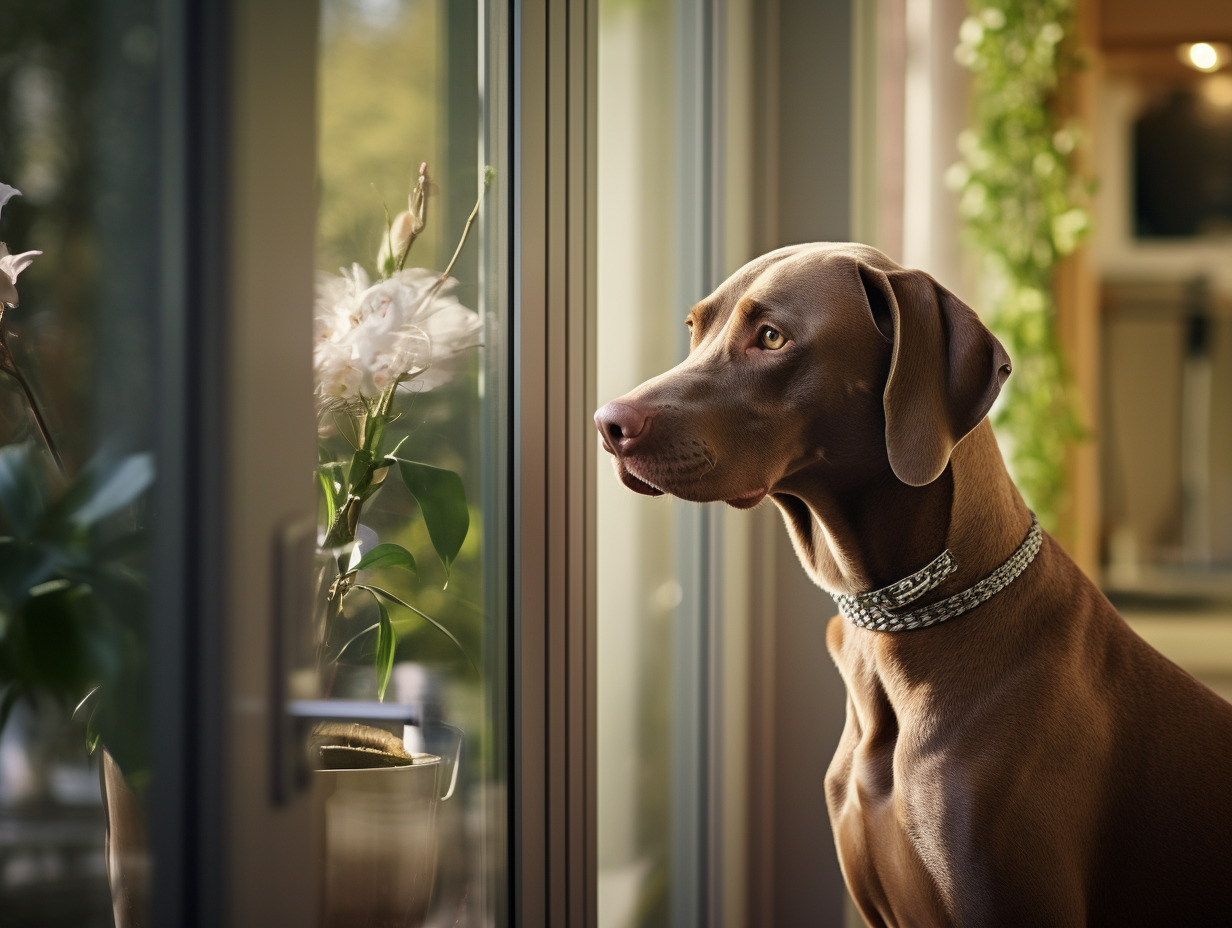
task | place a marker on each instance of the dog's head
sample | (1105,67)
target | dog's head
(823,356)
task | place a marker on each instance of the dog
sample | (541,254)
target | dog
(1014,754)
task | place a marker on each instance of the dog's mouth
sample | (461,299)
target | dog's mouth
(748,500)
(646,488)
(634,482)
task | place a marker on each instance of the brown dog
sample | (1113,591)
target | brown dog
(1025,759)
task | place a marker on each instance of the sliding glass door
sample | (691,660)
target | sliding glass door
(80,278)
(368,324)
(410,314)
(323,272)
(401,701)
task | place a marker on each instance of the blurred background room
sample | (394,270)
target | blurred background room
(624,705)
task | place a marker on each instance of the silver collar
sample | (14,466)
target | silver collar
(873,609)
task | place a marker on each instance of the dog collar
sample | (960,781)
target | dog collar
(872,610)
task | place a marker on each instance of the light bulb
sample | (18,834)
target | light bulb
(1203,56)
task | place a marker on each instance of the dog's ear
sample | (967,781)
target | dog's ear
(945,371)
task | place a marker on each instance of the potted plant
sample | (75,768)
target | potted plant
(378,342)
(72,603)
(72,599)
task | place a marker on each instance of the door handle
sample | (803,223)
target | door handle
(292,713)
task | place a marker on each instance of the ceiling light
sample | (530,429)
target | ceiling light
(1203,55)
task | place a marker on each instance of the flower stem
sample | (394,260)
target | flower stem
(470,221)
(9,366)
(361,483)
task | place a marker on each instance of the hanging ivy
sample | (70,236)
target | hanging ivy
(1024,208)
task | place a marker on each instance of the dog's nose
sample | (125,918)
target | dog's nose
(621,426)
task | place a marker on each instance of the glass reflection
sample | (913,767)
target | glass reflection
(408,811)
(78,138)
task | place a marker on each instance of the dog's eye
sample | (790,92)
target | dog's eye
(771,338)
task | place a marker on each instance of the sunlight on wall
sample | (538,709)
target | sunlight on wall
(637,587)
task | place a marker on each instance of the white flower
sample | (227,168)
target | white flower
(971,32)
(368,336)
(1044,164)
(1068,228)
(973,201)
(1031,300)
(11,265)
(980,158)
(957,175)
(1051,33)
(993,18)
(7,193)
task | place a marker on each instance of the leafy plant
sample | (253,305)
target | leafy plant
(72,590)
(1024,208)
(374,339)
(73,595)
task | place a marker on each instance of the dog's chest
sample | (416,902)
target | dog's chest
(889,829)
(888,833)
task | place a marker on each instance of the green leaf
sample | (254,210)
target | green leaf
(22,490)
(106,485)
(442,500)
(327,488)
(423,615)
(385,643)
(361,464)
(115,486)
(71,649)
(387,555)
(354,638)
(24,565)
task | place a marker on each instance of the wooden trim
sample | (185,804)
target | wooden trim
(553,778)
(1076,287)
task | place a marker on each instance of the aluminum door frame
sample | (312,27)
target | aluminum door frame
(554,874)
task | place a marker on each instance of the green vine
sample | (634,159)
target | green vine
(1024,208)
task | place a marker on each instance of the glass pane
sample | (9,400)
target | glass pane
(409,599)
(79,140)
(1165,364)
(652,698)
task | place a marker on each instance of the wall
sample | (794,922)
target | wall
(804,177)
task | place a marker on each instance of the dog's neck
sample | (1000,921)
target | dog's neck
(861,537)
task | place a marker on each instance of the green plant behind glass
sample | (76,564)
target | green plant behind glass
(346,485)
(72,590)
(73,596)
(1024,208)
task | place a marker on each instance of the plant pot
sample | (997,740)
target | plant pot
(377,807)
(126,847)
(378,813)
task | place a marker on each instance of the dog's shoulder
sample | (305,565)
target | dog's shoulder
(834,636)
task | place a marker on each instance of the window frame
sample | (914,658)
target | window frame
(233,207)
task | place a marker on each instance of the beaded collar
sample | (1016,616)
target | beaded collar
(872,610)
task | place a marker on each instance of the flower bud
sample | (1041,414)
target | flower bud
(402,233)
(405,227)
